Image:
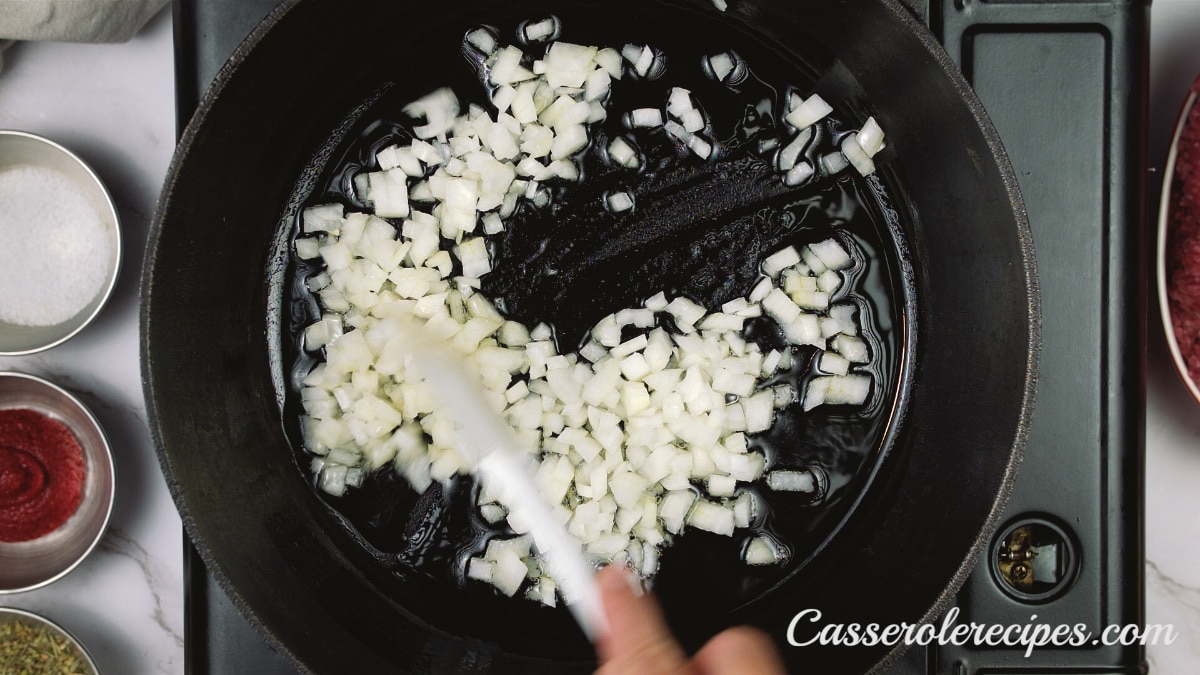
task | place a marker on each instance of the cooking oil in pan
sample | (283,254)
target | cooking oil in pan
(699,228)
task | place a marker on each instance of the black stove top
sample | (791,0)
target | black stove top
(1064,83)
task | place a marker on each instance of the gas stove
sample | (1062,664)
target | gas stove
(1064,83)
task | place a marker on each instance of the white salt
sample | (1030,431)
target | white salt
(55,249)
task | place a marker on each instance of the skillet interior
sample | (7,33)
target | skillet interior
(275,546)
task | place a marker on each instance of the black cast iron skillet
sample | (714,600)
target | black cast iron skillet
(213,339)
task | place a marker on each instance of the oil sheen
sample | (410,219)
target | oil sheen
(699,228)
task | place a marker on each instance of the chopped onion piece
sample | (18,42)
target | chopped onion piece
(833,162)
(506,68)
(569,141)
(568,65)
(483,40)
(643,61)
(508,572)
(745,509)
(679,101)
(790,153)
(607,332)
(677,131)
(792,481)
(700,146)
(541,30)
(630,346)
(492,513)
(721,486)
(760,411)
(657,302)
(762,550)
(845,389)
(685,311)
(870,137)
(805,329)
(834,364)
(761,290)
(780,307)
(779,261)
(799,174)
(619,201)
(857,157)
(706,515)
(641,318)
(387,191)
(621,152)
(693,120)
(808,113)
(308,248)
(829,281)
(439,109)
(645,118)
(595,88)
(479,569)
(726,67)
(811,300)
(853,348)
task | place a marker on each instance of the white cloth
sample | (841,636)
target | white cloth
(73,20)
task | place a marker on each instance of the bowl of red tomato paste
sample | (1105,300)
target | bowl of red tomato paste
(56,482)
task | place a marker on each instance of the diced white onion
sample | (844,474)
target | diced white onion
(619,201)
(482,40)
(439,109)
(645,117)
(792,481)
(799,174)
(808,113)
(622,434)
(715,518)
(857,157)
(790,153)
(726,67)
(870,137)
(775,263)
(623,153)
(540,31)
(762,550)
(833,163)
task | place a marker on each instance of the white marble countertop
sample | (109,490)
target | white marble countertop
(114,106)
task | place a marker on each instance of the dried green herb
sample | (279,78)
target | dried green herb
(34,650)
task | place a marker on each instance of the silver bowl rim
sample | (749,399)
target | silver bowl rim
(112,493)
(111,284)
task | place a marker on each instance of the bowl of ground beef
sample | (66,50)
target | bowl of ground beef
(56,482)
(1179,244)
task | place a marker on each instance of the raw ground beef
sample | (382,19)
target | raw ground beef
(1183,245)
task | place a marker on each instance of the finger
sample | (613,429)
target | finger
(739,651)
(638,639)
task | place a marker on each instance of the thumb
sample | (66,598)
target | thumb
(638,639)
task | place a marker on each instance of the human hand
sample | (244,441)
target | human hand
(639,641)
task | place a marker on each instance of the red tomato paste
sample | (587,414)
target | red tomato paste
(1183,245)
(41,475)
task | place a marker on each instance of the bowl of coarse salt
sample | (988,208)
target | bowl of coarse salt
(61,247)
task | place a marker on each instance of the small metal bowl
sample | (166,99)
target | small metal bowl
(12,615)
(32,564)
(18,148)
(1164,227)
